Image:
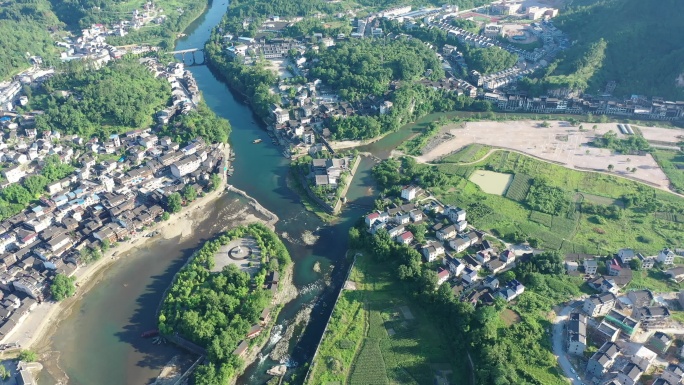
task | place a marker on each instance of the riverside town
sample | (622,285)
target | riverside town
(341,192)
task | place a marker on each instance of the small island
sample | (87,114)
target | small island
(326,177)
(224,298)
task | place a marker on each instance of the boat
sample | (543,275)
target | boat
(257,141)
(150,333)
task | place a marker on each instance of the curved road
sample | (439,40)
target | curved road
(558,345)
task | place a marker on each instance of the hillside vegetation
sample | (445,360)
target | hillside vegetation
(23,33)
(643,49)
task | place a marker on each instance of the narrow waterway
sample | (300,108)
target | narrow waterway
(98,343)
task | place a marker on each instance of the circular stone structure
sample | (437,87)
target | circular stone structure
(239,252)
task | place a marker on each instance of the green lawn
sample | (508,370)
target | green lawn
(669,161)
(370,339)
(654,280)
(469,153)
(575,231)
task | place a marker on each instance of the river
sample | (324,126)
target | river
(98,342)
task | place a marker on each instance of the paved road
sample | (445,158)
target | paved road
(558,348)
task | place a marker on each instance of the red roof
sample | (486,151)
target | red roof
(373,216)
(406,235)
(442,273)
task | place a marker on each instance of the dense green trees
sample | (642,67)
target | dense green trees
(62,287)
(363,67)
(215,310)
(54,169)
(24,32)
(174,202)
(640,52)
(633,144)
(410,102)
(28,356)
(254,82)
(203,123)
(547,199)
(488,60)
(118,97)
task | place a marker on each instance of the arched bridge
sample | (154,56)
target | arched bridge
(191,51)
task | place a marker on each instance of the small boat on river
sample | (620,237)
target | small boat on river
(150,333)
(256,141)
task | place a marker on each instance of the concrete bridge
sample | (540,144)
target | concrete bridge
(191,51)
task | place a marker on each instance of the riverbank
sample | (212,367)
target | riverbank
(286,293)
(39,325)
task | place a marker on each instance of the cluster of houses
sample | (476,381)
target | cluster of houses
(616,322)
(559,102)
(100,201)
(10,91)
(618,268)
(185,93)
(482,41)
(327,172)
(452,237)
(612,323)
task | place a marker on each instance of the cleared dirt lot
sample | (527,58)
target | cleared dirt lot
(560,143)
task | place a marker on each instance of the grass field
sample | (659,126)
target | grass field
(672,162)
(467,154)
(654,280)
(644,231)
(371,340)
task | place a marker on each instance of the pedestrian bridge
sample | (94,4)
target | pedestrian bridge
(192,52)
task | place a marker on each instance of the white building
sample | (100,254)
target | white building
(409,192)
(14,174)
(185,166)
(666,256)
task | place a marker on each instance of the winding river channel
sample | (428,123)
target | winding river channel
(98,341)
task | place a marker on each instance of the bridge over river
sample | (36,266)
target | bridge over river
(191,51)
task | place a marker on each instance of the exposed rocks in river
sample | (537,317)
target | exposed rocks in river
(309,238)
(281,349)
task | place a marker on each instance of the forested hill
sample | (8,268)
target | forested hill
(24,32)
(645,47)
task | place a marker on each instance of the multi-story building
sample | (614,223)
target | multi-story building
(577,333)
(599,304)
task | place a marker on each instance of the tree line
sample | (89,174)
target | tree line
(215,310)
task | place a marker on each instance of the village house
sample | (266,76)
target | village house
(455,214)
(614,267)
(454,265)
(186,166)
(628,325)
(409,193)
(646,262)
(590,266)
(660,342)
(599,304)
(511,291)
(666,257)
(432,250)
(626,255)
(491,282)
(676,274)
(602,360)
(640,298)
(405,238)
(447,233)
(469,275)
(577,334)
(442,276)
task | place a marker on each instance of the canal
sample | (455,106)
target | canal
(98,342)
